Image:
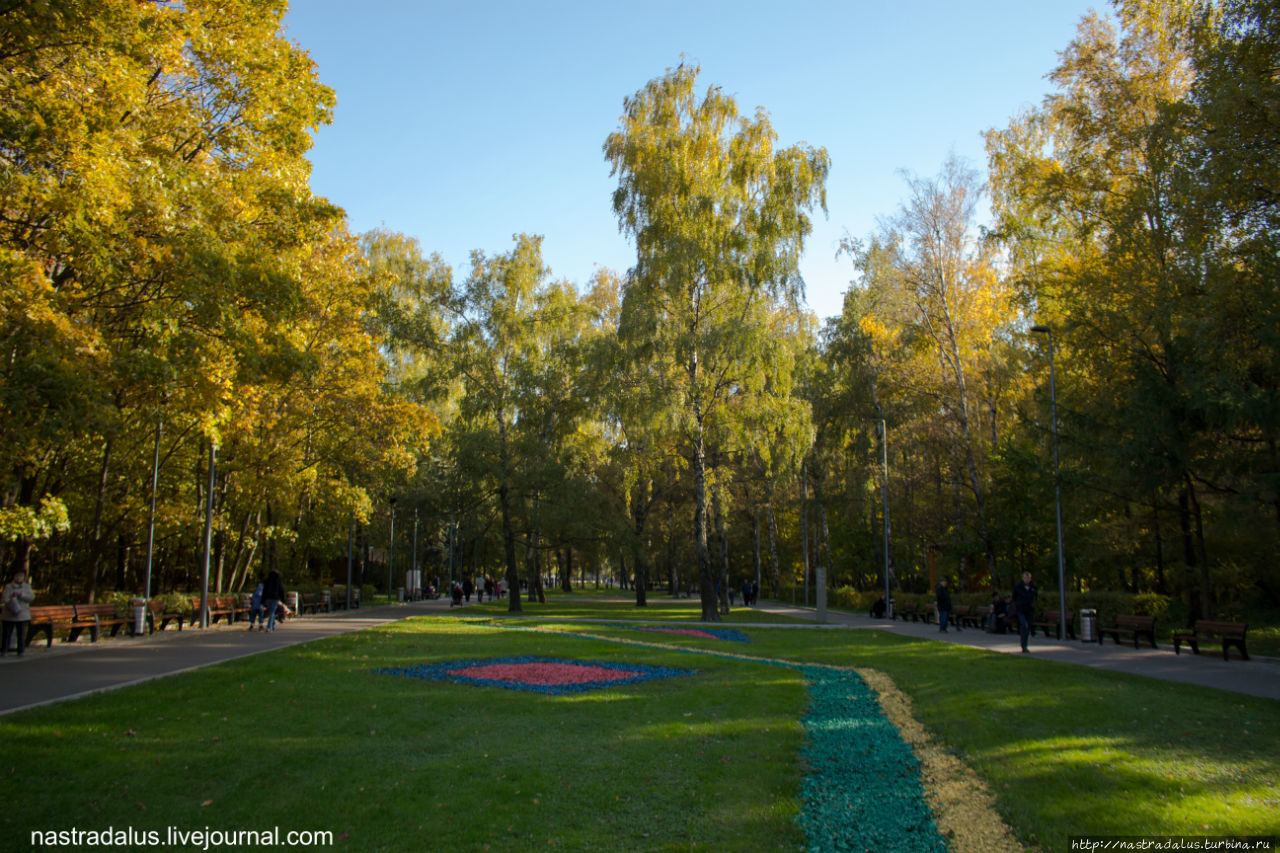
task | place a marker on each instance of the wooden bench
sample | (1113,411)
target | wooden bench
(75,619)
(95,617)
(222,607)
(960,615)
(49,618)
(907,610)
(980,617)
(1230,633)
(312,602)
(1050,624)
(1131,626)
(156,611)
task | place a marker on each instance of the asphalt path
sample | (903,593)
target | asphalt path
(1259,676)
(71,670)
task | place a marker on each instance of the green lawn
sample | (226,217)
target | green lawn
(311,738)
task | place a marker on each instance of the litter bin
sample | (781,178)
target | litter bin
(1088,623)
(400,594)
(139,617)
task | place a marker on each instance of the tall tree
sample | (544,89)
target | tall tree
(719,218)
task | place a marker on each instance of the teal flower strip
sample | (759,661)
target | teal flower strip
(862,790)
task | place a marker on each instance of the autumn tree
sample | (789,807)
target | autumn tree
(719,217)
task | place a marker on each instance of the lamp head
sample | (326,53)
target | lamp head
(1042,330)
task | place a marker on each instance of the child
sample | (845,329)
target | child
(256,609)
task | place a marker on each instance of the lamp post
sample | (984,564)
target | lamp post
(391,549)
(208,536)
(351,539)
(1057,486)
(151,523)
(884,497)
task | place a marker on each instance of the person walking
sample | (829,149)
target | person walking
(944,605)
(255,608)
(15,605)
(1024,605)
(272,595)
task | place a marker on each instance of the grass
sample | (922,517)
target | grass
(312,738)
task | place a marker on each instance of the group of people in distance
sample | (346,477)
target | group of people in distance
(1018,608)
(481,586)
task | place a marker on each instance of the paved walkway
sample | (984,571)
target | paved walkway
(1256,677)
(69,671)
(72,670)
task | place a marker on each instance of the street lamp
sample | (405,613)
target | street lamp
(351,538)
(1057,486)
(391,549)
(208,536)
(884,497)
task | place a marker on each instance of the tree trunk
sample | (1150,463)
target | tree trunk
(804,528)
(508,531)
(773,553)
(639,554)
(723,585)
(706,578)
(98,512)
(755,521)
(1207,598)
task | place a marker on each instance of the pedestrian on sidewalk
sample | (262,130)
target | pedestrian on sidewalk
(16,608)
(1024,605)
(272,595)
(256,613)
(944,605)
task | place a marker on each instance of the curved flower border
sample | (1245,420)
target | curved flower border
(862,789)
(455,671)
(703,633)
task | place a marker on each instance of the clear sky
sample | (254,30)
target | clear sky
(463,123)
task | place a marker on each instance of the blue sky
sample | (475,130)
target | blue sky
(463,123)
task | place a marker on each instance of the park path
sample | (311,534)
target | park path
(1259,676)
(71,670)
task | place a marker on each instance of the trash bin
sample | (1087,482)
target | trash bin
(139,617)
(400,594)
(888,611)
(1088,623)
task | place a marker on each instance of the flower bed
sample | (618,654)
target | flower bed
(704,633)
(862,788)
(539,675)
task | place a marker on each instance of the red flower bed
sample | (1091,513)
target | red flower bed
(544,673)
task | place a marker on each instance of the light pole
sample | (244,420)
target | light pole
(1057,486)
(391,549)
(151,523)
(351,539)
(884,497)
(208,536)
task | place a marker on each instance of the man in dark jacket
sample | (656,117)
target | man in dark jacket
(944,605)
(1024,604)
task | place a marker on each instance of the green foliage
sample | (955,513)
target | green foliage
(26,522)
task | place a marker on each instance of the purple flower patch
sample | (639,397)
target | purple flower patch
(539,675)
(704,633)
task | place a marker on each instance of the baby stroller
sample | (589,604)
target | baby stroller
(456,601)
